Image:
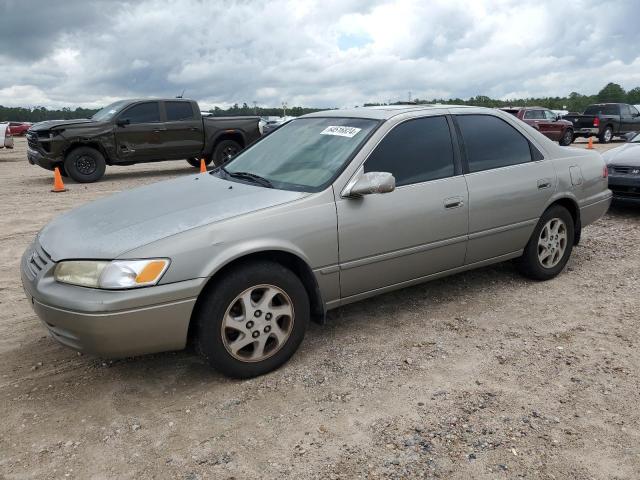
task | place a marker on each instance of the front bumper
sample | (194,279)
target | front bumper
(37,158)
(109,323)
(625,187)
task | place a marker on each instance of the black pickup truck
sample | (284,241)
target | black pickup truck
(605,121)
(135,131)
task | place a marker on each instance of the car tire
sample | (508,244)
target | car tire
(252,320)
(85,164)
(225,151)
(550,245)
(567,138)
(606,135)
(195,162)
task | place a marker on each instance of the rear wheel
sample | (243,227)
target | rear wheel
(195,162)
(225,151)
(567,138)
(85,164)
(252,320)
(550,245)
(606,135)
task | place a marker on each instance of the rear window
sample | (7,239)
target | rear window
(602,109)
(178,111)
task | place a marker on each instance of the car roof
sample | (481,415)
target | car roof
(383,112)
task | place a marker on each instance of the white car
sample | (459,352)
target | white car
(6,140)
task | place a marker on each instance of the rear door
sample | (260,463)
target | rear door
(184,135)
(139,132)
(418,229)
(509,185)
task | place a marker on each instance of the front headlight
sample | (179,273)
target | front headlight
(117,274)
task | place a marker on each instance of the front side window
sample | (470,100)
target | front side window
(304,154)
(177,111)
(549,115)
(415,151)
(490,142)
(148,112)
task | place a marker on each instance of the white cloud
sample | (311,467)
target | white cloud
(316,53)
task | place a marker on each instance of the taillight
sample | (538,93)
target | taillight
(596,122)
(605,171)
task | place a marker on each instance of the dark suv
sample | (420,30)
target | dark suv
(546,121)
(135,131)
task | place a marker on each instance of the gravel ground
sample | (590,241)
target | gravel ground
(481,375)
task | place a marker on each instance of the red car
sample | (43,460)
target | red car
(19,128)
(546,121)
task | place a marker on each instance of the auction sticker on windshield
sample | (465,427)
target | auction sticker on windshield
(340,131)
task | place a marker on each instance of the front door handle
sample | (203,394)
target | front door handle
(158,130)
(544,183)
(453,202)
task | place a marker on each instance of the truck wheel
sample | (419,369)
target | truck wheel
(225,151)
(195,162)
(567,138)
(252,320)
(85,164)
(606,135)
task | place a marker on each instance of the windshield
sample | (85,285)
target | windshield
(305,154)
(635,139)
(109,111)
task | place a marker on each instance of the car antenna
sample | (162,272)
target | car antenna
(181,95)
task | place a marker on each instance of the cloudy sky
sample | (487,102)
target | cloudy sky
(315,53)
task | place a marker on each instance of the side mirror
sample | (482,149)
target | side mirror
(372,182)
(122,122)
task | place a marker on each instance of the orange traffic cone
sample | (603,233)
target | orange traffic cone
(58,186)
(590,144)
(203,166)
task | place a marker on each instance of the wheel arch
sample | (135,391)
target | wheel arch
(230,134)
(288,259)
(86,143)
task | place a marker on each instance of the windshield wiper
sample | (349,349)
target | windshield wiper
(249,176)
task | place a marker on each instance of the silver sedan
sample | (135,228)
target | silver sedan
(332,208)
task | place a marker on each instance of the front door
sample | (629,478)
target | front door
(418,229)
(550,125)
(139,132)
(509,185)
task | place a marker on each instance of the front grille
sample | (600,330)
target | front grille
(32,141)
(624,170)
(37,260)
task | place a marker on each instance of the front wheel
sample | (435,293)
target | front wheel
(85,165)
(550,245)
(567,138)
(252,320)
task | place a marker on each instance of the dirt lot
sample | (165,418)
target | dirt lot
(481,375)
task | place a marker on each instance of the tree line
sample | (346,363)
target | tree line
(574,102)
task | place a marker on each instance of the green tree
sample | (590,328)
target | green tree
(633,96)
(612,92)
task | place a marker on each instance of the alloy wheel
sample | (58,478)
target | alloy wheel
(257,323)
(552,243)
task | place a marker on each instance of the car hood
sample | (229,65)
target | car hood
(112,226)
(624,155)
(49,124)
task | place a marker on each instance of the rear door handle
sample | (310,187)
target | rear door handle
(158,130)
(544,183)
(453,202)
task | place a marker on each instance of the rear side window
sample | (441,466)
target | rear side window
(148,112)
(415,151)
(490,142)
(177,111)
(534,115)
